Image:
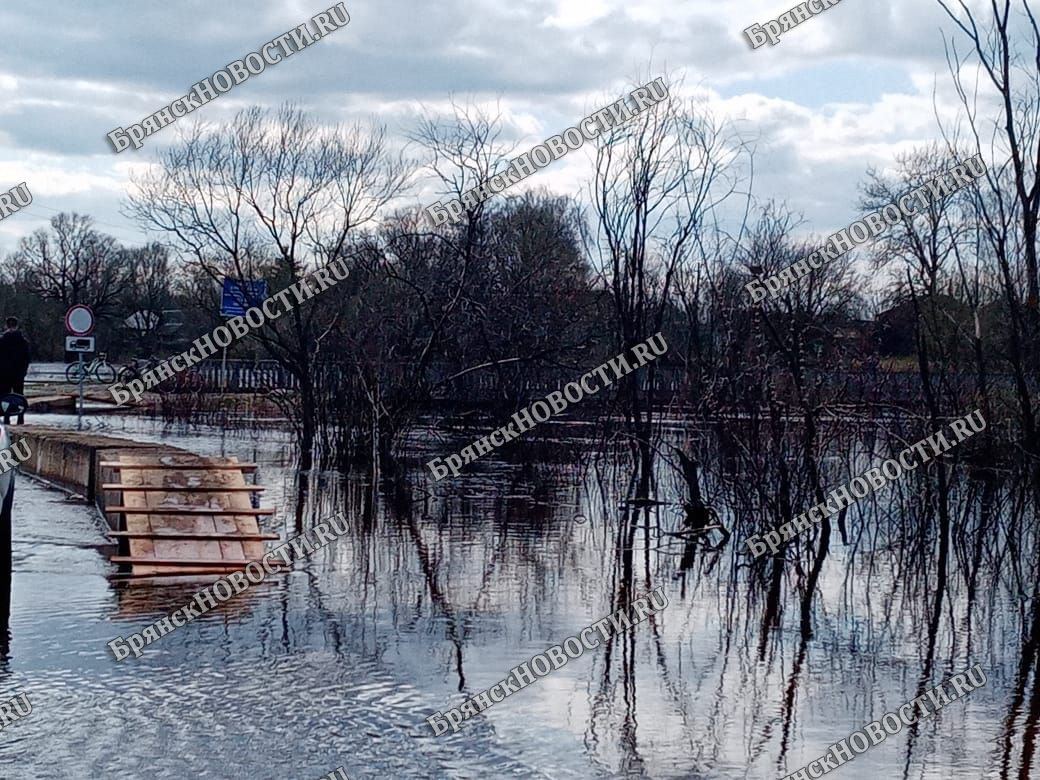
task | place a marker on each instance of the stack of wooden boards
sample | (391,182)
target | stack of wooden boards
(183,514)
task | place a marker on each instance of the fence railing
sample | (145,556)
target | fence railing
(478,386)
(862,386)
(244,375)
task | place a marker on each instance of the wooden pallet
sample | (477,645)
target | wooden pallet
(211,528)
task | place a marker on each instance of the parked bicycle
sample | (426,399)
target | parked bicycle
(99,367)
(135,368)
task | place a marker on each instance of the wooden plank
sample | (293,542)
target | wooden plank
(193,535)
(219,563)
(115,464)
(185,510)
(184,488)
(170,576)
(134,577)
(45,402)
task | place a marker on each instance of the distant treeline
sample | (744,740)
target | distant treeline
(530,286)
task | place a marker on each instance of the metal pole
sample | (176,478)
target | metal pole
(79,414)
(223,371)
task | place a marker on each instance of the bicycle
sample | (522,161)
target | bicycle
(135,369)
(99,367)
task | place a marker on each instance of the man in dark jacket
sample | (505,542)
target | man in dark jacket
(14,359)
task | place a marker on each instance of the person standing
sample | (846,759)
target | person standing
(14,359)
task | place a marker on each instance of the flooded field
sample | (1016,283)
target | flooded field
(439,590)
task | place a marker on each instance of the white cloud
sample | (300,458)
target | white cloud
(571,14)
(818,112)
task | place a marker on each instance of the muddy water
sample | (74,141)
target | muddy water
(439,590)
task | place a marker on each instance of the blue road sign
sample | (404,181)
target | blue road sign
(240,294)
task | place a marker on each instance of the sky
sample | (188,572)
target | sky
(846,90)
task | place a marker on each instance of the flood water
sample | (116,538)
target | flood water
(439,590)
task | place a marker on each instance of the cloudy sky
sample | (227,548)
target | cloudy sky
(847,89)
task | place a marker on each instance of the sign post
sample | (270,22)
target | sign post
(79,406)
(79,321)
(236,296)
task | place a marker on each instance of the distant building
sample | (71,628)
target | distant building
(895,329)
(158,333)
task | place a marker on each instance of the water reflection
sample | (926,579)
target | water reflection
(755,668)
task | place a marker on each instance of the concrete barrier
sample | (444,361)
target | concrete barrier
(71,458)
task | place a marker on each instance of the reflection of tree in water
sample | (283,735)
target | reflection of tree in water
(778,638)
(937,562)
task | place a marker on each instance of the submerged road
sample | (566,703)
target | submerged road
(290,682)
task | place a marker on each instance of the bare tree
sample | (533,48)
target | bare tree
(150,291)
(72,263)
(1004,122)
(927,255)
(463,150)
(926,245)
(507,263)
(659,180)
(274,195)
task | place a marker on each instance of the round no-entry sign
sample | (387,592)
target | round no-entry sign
(79,320)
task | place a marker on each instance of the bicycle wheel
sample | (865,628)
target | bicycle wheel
(72,372)
(105,373)
(127,373)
